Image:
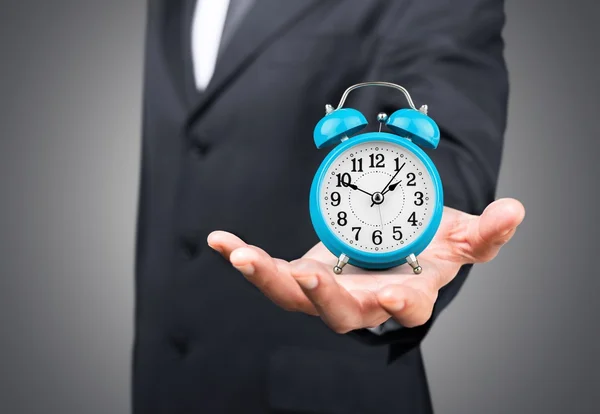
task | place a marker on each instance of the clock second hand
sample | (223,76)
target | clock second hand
(380,216)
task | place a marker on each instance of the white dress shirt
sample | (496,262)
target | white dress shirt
(207,29)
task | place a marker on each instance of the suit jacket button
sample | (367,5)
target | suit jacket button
(200,148)
(190,246)
(181,345)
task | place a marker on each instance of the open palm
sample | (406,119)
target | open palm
(360,298)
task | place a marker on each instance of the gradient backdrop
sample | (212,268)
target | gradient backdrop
(522,337)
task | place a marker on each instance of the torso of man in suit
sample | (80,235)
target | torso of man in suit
(228,119)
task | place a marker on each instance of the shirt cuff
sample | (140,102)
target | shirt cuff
(388,326)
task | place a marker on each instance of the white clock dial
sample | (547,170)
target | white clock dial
(377,197)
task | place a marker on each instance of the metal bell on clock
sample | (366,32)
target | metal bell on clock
(415,125)
(338,125)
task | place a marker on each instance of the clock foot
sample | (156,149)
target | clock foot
(342,261)
(414,263)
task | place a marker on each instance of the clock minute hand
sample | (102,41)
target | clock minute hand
(392,179)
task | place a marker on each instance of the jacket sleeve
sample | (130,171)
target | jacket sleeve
(449,55)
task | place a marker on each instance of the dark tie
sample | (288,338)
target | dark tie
(235,14)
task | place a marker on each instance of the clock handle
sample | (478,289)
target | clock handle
(422,109)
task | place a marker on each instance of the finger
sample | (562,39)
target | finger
(373,314)
(271,278)
(410,307)
(336,306)
(224,242)
(486,234)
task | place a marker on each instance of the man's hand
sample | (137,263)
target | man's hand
(361,298)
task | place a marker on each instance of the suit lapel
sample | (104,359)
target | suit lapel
(264,23)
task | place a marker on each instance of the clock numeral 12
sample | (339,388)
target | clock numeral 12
(377,161)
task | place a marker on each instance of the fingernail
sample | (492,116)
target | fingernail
(215,248)
(246,269)
(394,305)
(308,282)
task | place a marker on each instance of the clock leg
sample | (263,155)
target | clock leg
(342,261)
(414,263)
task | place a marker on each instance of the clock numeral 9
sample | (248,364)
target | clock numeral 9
(412,219)
(397,233)
(411,179)
(419,200)
(357,165)
(342,221)
(357,230)
(336,199)
(377,239)
(343,180)
(377,161)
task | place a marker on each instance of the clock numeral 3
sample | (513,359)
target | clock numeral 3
(419,200)
(342,221)
(357,230)
(377,239)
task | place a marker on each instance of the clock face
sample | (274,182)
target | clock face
(377,197)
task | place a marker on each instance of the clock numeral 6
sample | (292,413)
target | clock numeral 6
(336,199)
(377,239)
(343,180)
(357,230)
(342,221)
(397,233)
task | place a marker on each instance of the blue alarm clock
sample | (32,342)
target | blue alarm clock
(376,201)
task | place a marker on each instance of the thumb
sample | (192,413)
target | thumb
(486,234)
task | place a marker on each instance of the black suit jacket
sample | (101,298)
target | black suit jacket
(240,157)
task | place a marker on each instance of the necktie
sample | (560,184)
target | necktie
(235,14)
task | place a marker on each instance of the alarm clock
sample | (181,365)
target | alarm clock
(376,200)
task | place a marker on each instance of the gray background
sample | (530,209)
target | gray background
(519,339)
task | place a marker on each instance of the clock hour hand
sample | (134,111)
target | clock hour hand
(355,187)
(392,187)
